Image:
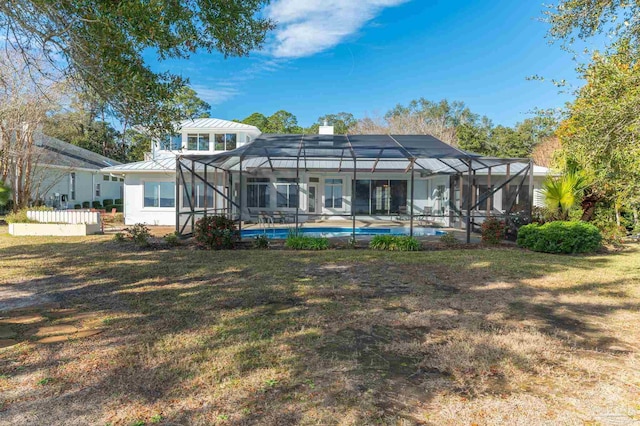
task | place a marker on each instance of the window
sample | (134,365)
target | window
(98,189)
(287,192)
(114,179)
(199,142)
(380,196)
(171,142)
(333,193)
(225,142)
(72,184)
(121,179)
(258,192)
(483,192)
(198,196)
(105,178)
(159,194)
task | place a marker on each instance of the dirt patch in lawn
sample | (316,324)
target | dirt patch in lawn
(339,337)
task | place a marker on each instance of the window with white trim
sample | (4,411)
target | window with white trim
(333,193)
(159,194)
(171,142)
(258,192)
(198,142)
(226,141)
(72,184)
(287,192)
(98,189)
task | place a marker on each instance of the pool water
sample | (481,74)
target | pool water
(282,233)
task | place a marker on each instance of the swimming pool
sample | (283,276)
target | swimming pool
(282,233)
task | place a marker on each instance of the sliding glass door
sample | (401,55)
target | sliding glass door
(380,197)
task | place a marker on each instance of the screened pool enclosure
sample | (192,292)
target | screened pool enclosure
(412,180)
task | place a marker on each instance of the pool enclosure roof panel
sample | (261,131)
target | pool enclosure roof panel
(339,152)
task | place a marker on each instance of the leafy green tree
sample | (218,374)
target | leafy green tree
(341,122)
(600,133)
(282,122)
(256,119)
(137,144)
(188,105)
(100,43)
(476,136)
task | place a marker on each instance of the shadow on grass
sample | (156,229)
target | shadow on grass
(287,337)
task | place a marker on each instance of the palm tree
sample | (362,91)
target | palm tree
(565,192)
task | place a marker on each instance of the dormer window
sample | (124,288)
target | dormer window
(226,142)
(171,142)
(198,142)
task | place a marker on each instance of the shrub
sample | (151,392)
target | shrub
(172,239)
(118,237)
(77,206)
(449,238)
(86,204)
(216,233)
(96,204)
(21,215)
(395,243)
(493,230)
(560,237)
(301,242)
(261,242)
(118,201)
(107,202)
(139,234)
(119,207)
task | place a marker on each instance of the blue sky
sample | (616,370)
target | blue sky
(366,56)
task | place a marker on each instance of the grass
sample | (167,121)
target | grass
(486,336)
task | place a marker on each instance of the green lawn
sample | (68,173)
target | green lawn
(110,334)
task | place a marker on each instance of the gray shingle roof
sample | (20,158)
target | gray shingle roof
(55,152)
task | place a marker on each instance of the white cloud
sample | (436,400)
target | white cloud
(214,96)
(306,27)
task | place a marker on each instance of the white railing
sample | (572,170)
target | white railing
(65,216)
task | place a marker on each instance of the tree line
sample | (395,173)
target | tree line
(450,121)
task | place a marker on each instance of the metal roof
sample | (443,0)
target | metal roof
(214,123)
(163,164)
(338,152)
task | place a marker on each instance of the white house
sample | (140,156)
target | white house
(149,186)
(274,181)
(66,175)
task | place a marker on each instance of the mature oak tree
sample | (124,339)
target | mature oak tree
(100,44)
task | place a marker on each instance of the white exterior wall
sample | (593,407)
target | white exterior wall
(243,137)
(134,210)
(53,180)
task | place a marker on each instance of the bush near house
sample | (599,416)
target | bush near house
(560,237)
(493,230)
(394,243)
(96,204)
(107,202)
(86,204)
(77,206)
(118,201)
(216,233)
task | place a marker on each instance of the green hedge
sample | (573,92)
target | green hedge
(394,243)
(86,204)
(96,204)
(301,242)
(107,202)
(560,237)
(118,201)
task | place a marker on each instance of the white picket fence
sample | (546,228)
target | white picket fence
(65,216)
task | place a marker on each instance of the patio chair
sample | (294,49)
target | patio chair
(402,213)
(265,218)
(279,217)
(423,219)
